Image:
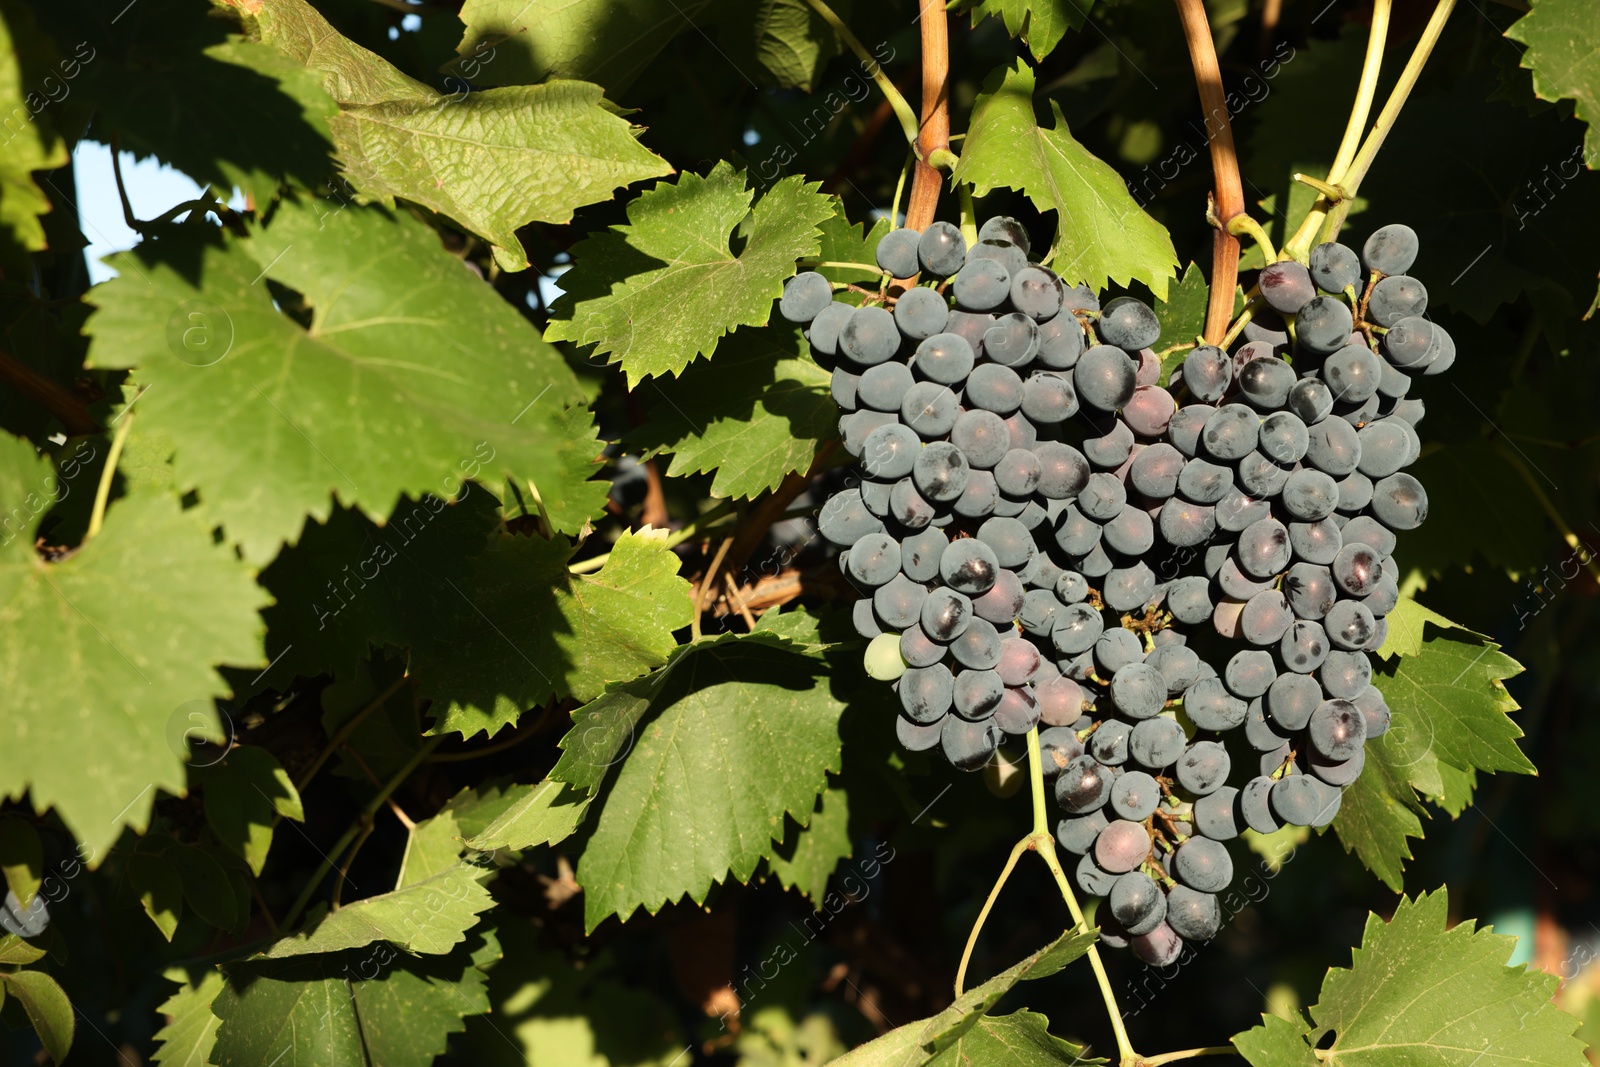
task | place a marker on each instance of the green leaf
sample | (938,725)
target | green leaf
(125,630)
(433,847)
(810,853)
(205,885)
(760,411)
(789,40)
(657,293)
(1419,991)
(518,42)
(1040,23)
(21,858)
(493,161)
(844,241)
(159,887)
(429,917)
(1563,52)
(14,950)
(413,375)
(352,1009)
(26,58)
(1102,234)
(191,1030)
(1276,1042)
(539,814)
(743,731)
(48,1009)
(1021,1039)
(1450,717)
(245,793)
(534,632)
(1183,319)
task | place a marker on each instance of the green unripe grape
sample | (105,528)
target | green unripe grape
(883,660)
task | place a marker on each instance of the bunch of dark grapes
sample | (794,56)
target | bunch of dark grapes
(1180,584)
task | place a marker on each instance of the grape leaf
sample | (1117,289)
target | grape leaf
(1183,318)
(1450,717)
(432,848)
(1276,1042)
(809,854)
(412,374)
(246,792)
(844,241)
(1102,234)
(757,413)
(533,632)
(1040,23)
(493,161)
(159,887)
(742,731)
(1419,991)
(518,42)
(350,1009)
(657,293)
(47,1007)
(789,40)
(191,1030)
(31,143)
(125,630)
(429,917)
(21,858)
(1563,52)
(205,885)
(1021,1039)
(541,813)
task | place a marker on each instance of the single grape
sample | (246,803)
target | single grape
(1060,700)
(1150,410)
(1189,600)
(1237,510)
(1061,342)
(805,296)
(1310,399)
(917,737)
(1230,432)
(1265,382)
(1019,660)
(1004,253)
(978,645)
(1078,626)
(917,649)
(1303,647)
(1215,814)
(1022,433)
(1391,249)
(1265,618)
(823,333)
(920,312)
(1334,267)
(1105,377)
(980,496)
(982,436)
(1300,799)
(898,602)
(1075,533)
(1102,497)
(882,658)
(897,252)
(1309,495)
(1130,532)
(1311,590)
(857,426)
(1161,947)
(1049,398)
(1092,880)
(945,358)
(942,249)
(1112,443)
(981,284)
(1137,902)
(1248,673)
(874,559)
(1002,602)
(1396,297)
(1155,470)
(970,326)
(1207,372)
(1283,438)
(844,519)
(1203,767)
(862,616)
(1129,324)
(870,337)
(1005,228)
(1255,805)
(1134,796)
(1084,786)
(1374,709)
(1286,287)
(1178,665)
(1129,588)
(1013,340)
(1315,542)
(977,694)
(1349,625)
(1071,587)
(1157,742)
(1017,712)
(1345,675)
(1117,648)
(1355,492)
(1039,610)
(1204,482)
(926,692)
(1338,773)
(1063,471)
(1393,384)
(1077,833)
(1337,729)
(1109,742)
(1122,845)
(1411,343)
(1399,502)
(883,387)
(1018,472)
(1233,582)
(1383,599)
(1203,864)
(1264,548)
(945,615)
(1193,915)
(890,452)
(968,745)
(1358,569)
(1323,325)
(843,385)
(1036,292)
(1137,689)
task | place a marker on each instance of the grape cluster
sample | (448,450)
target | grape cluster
(1045,535)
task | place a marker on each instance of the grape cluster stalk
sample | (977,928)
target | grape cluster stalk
(1180,585)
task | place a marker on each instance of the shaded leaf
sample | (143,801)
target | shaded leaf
(48,1009)
(429,917)
(246,792)
(191,1030)
(21,858)
(31,140)
(159,888)
(1040,23)
(810,853)
(1563,52)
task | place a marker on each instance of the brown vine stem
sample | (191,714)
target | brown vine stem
(1224,165)
(772,510)
(934,132)
(54,398)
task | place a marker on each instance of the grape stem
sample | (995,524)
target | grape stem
(902,109)
(1188,1054)
(972,938)
(1331,193)
(934,27)
(102,492)
(1229,199)
(841,264)
(969,216)
(673,540)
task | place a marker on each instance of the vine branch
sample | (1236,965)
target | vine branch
(902,110)
(1229,200)
(935,128)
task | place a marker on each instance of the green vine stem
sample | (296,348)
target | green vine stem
(1242,225)
(969,216)
(1331,193)
(1188,1054)
(677,537)
(363,820)
(902,109)
(102,492)
(972,938)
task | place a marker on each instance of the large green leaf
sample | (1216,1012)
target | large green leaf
(412,376)
(518,42)
(1102,234)
(657,293)
(1450,717)
(1563,52)
(533,631)
(757,413)
(809,854)
(1040,23)
(1277,1042)
(741,731)
(1421,992)
(493,161)
(191,1030)
(99,651)
(31,142)
(352,1009)
(429,917)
